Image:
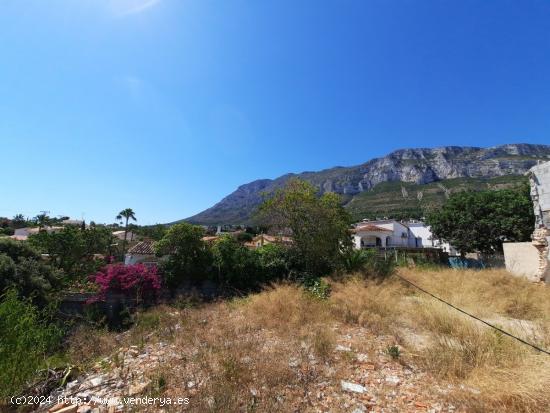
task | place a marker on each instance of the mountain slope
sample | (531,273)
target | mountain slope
(433,172)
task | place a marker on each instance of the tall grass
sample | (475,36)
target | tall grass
(265,352)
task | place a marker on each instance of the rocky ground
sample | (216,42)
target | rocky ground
(361,376)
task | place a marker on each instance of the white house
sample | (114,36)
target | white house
(143,252)
(120,235)
(384,233)
(390,233)
(425,239)
(22,234)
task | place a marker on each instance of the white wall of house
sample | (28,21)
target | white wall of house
(131,259)
(425,239)
(366,239)
(399,236)
(410,235)
(120,235)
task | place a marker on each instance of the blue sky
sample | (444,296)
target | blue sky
(166,106)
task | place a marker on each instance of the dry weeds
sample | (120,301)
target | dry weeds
(270,351)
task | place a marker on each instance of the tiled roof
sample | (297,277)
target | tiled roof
(371,227)
(143,248)
(209,238)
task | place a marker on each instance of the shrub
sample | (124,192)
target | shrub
(28,276)
(235,265)
(376,266)
(17,250)
(319,225)
(368,263)
(317,287)
(186,256)
(273,262)
(134,281)
(25,339)
(393,352)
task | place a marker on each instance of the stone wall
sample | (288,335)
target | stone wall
(539,178)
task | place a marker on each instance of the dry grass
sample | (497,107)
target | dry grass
(376,305)
(509,376)
(267,351)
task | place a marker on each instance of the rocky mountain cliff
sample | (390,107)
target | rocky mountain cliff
(418,167)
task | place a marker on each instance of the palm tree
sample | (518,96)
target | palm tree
(128,214)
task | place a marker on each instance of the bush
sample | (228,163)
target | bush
(368,263)
(235,265)
(317,288)
(25,340)
(185,256)
(28,276)
(273,262)
(134,281)
(17,250)
(377,266)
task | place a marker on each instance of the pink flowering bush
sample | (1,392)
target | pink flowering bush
(134,281)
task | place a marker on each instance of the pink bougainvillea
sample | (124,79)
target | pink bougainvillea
(135,281)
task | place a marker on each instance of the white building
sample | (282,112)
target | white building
(22,234)
(390,233)
(120,235)
(143,252)
(425,239)
(386,233)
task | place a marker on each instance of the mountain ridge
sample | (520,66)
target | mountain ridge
(418,166)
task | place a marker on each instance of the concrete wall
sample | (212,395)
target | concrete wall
(522,259)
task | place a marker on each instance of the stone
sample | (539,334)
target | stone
(57,407)
(362,358)
(393,380)
(72,384)
(69,409)
(352,387)
(138,388)
(96,381)
(339,347)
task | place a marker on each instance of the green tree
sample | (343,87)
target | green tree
(22,269)
(186,256)
(273,262)
(18,221)
(481,221)
(319,225)
(127,214)
(73,249)
(155,232)
(17,250)
(42,220)
(235,265)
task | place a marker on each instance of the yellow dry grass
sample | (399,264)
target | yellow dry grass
(508,376)
(251,343)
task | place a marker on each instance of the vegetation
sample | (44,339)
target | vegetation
(319,226)
(22,270)
(387,321)
(25,341)
(235,265)
(342,293)
(154,232)
(482,221)
(186,256)
(127,214)
(406,200)
(134,281)
(72,249)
